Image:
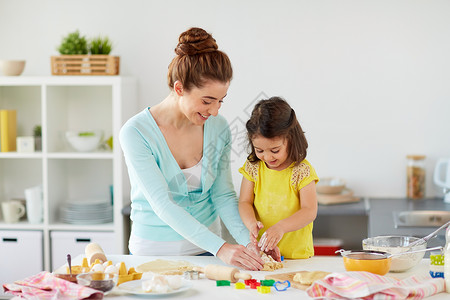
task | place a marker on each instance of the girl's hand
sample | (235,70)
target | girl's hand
(270,238)
(254,232)
(240,256)
(275,253)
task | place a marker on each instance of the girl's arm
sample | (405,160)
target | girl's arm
(246,209)
(296,221)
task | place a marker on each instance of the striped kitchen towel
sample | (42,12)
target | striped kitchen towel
(365,285)
(46,286)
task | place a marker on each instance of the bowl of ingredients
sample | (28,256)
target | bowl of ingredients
(97,280)
(84,141)
(330,185)
(376,262)
(395,245)
(12,67)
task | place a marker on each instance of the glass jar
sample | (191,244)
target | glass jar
(415,176)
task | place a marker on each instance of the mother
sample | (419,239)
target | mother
(177,153)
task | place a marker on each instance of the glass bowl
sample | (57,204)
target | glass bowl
(100,281)
(397,244)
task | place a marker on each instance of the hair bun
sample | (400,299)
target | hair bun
(195,41)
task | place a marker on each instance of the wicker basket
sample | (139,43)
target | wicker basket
(85,65)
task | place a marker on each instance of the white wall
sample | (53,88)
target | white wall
(369,80)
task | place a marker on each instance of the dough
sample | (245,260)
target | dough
(270,264)
(308,278)
(165,267)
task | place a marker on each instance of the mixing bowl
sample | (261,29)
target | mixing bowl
(394,245)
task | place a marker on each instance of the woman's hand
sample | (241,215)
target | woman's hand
(270,238)
(240,256)
(254,232)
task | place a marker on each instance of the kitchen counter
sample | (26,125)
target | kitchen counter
(381,217)
(205,289)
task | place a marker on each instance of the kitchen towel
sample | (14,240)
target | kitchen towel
(365,285)
(46,286)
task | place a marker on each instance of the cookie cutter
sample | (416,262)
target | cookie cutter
(191,275)
(281,286)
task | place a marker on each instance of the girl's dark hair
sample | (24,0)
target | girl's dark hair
(272,118)
(198,60)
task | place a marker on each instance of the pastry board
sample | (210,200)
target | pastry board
(288,276)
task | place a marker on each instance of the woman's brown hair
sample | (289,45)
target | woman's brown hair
(272,118)
(198,60)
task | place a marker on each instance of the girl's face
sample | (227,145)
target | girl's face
(274,151)
(198,104)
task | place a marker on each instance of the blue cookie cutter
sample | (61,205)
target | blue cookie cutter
(283,285)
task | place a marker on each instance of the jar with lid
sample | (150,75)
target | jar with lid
(415,176)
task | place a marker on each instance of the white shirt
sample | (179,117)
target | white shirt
(140,246)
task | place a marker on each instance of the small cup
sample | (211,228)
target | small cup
(12,211)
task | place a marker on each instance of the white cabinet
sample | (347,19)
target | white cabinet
(59,104)
(17,261)
(74,243)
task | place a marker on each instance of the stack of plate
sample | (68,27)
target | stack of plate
(86,212)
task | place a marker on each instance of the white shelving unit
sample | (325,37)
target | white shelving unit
(59,104)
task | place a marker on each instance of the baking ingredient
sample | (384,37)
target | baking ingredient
(397,244)
(270,264)
(309,277)
(165,267)
(415,173)
(162,283)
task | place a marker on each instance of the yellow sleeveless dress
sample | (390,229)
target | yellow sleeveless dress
(277,196)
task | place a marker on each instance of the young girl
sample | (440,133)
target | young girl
(278,195)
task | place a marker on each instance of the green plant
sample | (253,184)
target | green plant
(73,43)
(86,133)
(37,130)
(100,45)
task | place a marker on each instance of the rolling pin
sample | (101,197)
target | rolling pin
(217,272)
(93,251)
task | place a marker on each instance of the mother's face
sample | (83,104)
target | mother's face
(198,104)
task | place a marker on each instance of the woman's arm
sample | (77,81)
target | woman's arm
(298,220)
(147,176)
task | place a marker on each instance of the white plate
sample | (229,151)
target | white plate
(135,287)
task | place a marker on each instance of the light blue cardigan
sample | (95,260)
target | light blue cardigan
(162,209)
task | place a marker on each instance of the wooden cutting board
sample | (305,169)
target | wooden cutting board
(288,276)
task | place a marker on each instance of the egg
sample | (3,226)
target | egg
(98,268)
(112,269)
(174,281)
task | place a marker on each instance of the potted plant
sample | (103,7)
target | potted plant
(75,58)
(100,46)
(37,133)
(73,44)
